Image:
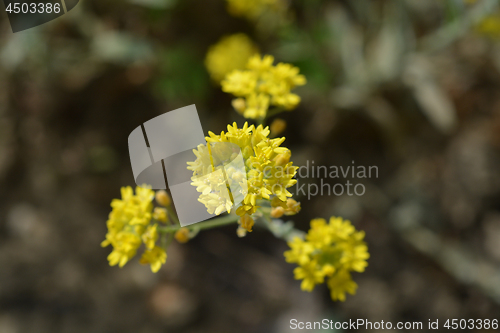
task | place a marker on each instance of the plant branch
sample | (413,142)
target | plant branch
(213,223)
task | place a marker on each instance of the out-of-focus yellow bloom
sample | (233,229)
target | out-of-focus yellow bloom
(277,126)
(150,236)
(300,252)
(229,53)
(262,85)
(246,222)
(341,283)
(127,222)
(266,178)
(252,9)
(155,257)
(490,26)
(309,274)
(162,198)
(182,235)
(292,207)
(241,232)
(289,207)
(331,250)
(239,104)
(277,212)
(160,214)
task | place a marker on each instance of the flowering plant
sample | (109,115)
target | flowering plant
(329,251)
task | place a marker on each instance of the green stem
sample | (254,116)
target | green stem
(213,223)
(272,113)
(270,225)
(169,240)
(173,215)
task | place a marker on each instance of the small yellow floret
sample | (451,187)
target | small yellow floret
(155,257)
(160,214)
(277,126)
(277,212)
(246,222)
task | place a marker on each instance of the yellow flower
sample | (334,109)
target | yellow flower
(341,283)
(162,198)
(240,83)
(277,126)
(160,214)
(265,177)
(150,236)
(300,251)
(310,275)
(182,235)
(256,106)
(241,232)
(277,212)
(292,207)
(262,85)
(490,26)
(252,9)
(330,250)
(246,222)
(155,257)
(125,247)
(229,53)
(239,105)
(127,222)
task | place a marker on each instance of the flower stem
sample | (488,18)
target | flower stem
(173,215)
(271,113)
(213,223)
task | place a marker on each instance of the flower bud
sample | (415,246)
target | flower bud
(277,202)
(277,212)
(292,207)
(241,232)
(160,214)
(239,104)
(162,198)
(246,222)
(182,235)
(283,158)
(277,126)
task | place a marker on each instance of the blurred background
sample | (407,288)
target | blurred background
(409,86)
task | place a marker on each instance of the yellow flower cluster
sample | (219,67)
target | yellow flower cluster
(330,250)
(267,172)
(129,226)
(230,53)
(262,85)
(252,9)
